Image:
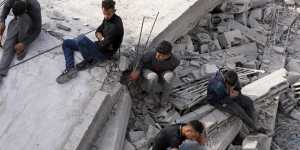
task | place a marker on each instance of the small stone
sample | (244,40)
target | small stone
(152,132)
(209,69)
(124,63)
(136,135)
(295,114)
(278,50)
(63,27)
(231,38)
(128,146)
(195,63)
(204,48)
(57,16)
(140,143)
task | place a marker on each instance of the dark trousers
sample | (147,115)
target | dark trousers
(85,46)
(17,31)
(241,106)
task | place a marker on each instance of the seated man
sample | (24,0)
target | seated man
(22,30)
(110,35)
(224,92)
(172,137)
(157,67)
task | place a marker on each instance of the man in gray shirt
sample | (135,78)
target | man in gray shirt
(22,30)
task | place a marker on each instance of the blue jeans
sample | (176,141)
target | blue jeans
(85,46)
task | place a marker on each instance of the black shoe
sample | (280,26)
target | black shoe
(85,64)
(66,76)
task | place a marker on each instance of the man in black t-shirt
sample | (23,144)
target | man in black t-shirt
(173,136)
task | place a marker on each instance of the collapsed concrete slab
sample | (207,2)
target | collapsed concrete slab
(113,135)
(187,21)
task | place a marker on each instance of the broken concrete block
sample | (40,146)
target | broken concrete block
(221,19)
(230,39)
(255,142)
(279,50)
(63,27)
(242,18)
(209,69)
(152,132)
(124,63)
(136,135)
(239,6)
(256,14)
(290,2)
(55,15)
(259,3)
(195,63)
(293,77)
(128,146)
(204,37)
(204,48)
(295,114)
(293,65)
(250,33)
(142,143)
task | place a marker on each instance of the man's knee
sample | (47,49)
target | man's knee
(151,76)
(168,76)
(67,43)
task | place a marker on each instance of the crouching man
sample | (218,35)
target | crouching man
(224,92)
(109,34)
(156,68)
(22,30)
(173,137)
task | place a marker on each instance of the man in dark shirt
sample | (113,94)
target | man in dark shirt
(172,137)
(22,30)
(109,34)
(224,92)
(157,67)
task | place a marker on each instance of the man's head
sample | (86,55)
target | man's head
(231,78)
(164,51)
(19,8)
(108,9)
(194,131)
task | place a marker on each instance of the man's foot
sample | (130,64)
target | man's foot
(21,55)
(66,76)
(85,64)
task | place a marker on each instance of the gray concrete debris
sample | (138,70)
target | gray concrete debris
(63,27)
(295,114)
(128,146)
(141,144)
(136,135)
(124,63)
(242,18)
(256,142)
(167,115)
(238,6)
(234,147)
(293,65)
(290,2)
(209,69)
(250,33)
(55,15)
(278,50)
(152,132)
(230,39)
(259,3)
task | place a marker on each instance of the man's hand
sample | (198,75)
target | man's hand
(2,28)
(134,76)
(99,36)
(19,48)
(234,93)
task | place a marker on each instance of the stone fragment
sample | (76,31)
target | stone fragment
(55,15)
(259,3)
(255,142)
(249,33)
(63,27)
(136,135)
(128,146)
(230,39)
(209,69)
(152,132)
(238,6)
(279,50)
(124,63)
(295,114)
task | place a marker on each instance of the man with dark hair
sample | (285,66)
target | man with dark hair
(109,34)
(157,68)
(172,137)
(224,92)
(22,30)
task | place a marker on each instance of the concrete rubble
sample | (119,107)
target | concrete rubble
(259,39)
